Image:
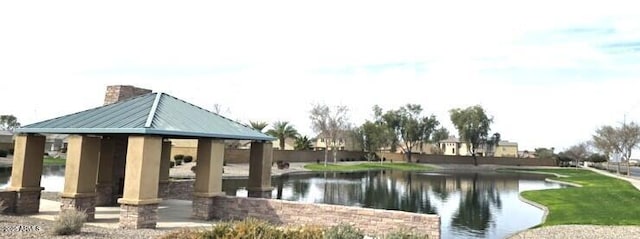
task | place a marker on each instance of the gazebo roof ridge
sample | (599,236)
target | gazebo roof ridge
(152,113)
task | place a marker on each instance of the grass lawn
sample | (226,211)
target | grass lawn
(367,166)
(601,200)
(54,161)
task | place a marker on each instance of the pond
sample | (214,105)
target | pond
(471,205)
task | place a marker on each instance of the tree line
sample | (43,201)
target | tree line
(406,128)
(607,143)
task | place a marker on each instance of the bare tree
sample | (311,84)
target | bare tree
(578,152)
(618,140)
(329,124)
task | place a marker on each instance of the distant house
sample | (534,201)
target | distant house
(289,144)
(506,149)
(453,146)
(345,141)
(6,140)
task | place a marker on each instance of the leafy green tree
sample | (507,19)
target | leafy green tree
(440,134)
(374,137)
(303,143)
(544,153)
(597,158)
(491,144)
(473,126)
(8,122)
(282,130)
(258,125)
(329,123)
(408,126)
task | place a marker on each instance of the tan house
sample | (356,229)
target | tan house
(506,149)
(344,142)
(453,146)
(6,140)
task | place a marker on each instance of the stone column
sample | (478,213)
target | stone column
(165,165)
(26,172)
(104,183)
(260,159)
(208,177)
(139,203)
(80,172)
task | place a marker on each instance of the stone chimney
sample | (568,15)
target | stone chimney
(117,93)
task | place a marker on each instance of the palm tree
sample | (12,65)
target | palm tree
(258,125)
(303,143)
(282,130)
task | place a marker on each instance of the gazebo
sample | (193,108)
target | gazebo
(120,153)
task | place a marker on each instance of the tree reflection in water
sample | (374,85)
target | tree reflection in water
(474,211)
(470,204)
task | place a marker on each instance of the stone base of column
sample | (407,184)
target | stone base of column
(104,194)
(259,192)
(28,202)
(84,204)
(138,216)
(163,189)
(203,208)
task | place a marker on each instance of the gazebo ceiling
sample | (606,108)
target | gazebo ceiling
(153,114)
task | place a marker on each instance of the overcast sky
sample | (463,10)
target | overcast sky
(549,72)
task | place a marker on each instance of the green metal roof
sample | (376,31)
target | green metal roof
(153,113)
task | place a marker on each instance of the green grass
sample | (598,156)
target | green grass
(367,166)
(601,200)
(54,161)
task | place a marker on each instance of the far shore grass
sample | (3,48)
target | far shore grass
(367,166)
(50,161)
(601,200)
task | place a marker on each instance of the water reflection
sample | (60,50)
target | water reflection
(471,205)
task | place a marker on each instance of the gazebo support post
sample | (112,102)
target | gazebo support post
(80,175)
(165,165)
(104,183)
(208,177)
(139,204)
(260,158)
(26,173)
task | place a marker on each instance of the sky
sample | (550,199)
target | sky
(549,72)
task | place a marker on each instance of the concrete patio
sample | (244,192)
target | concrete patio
(172,214)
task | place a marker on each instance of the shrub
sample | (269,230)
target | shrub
(249,228)
(187,159)
(3,153)
(178,162)
(172,164)
(343,231)
(405,234)
(69,222)
(178,156)
(186,233)
(305,232)
(193,169)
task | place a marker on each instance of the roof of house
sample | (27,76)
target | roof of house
(150,114)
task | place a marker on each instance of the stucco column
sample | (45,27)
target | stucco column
(26,172)
(260,158)
(208,177)
(165,165)
(139,203)
(80,175)
(104,183)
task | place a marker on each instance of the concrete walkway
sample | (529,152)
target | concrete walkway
(172,214)
(634,181)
